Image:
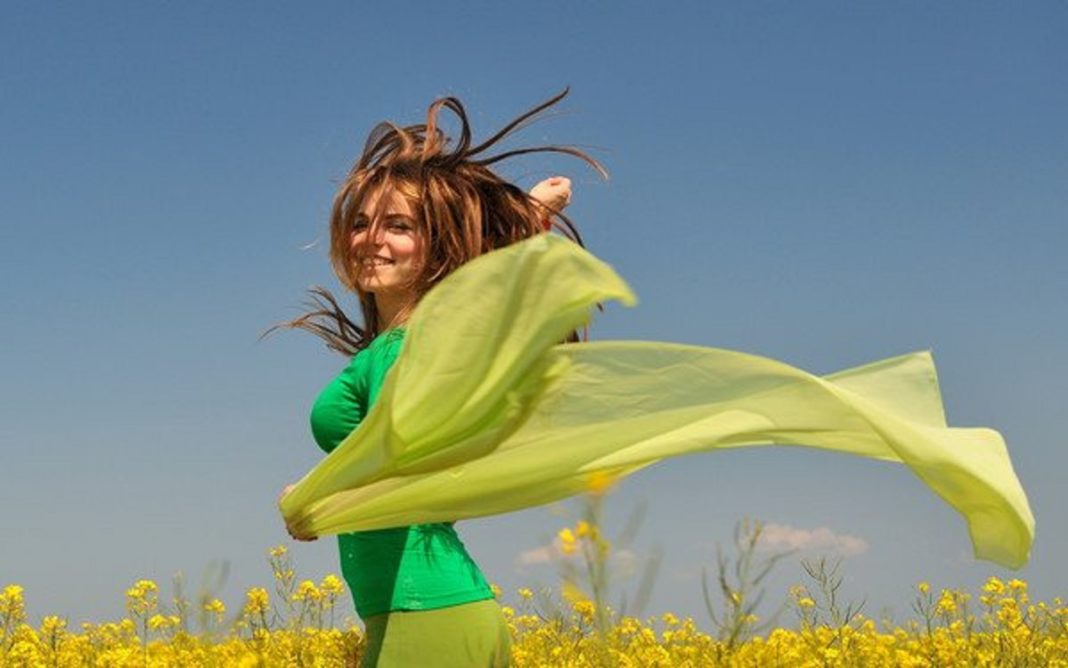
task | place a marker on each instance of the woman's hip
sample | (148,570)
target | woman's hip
(471,634)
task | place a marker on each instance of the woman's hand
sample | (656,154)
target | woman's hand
(287,490)
(554,193)
(293,531)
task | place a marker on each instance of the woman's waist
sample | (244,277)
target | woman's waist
(402,571)
(429,546)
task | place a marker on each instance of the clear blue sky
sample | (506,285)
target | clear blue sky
(824,183)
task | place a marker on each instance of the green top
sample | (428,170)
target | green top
(419,567)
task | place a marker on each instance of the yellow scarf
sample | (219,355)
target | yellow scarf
(485,412)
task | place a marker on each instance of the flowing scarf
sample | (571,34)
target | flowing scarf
(485,412)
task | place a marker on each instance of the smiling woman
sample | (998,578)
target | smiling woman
(412,210)
(387,251)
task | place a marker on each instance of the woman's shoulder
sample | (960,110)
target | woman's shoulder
(385,345)
(391,337)
(373,362)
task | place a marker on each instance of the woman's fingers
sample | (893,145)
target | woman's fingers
(287,490)
(292,531)
(297,536)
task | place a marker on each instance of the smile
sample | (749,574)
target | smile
(375,262)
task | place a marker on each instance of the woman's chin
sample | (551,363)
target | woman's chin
(371,283)
(381,289)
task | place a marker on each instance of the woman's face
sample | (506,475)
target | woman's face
(386,245)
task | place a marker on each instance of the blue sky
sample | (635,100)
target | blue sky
(824,183)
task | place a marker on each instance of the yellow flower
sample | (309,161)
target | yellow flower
(25,653)
(257,601)
(216,606)
(278,551)
(331,585)
(994,586)
(582,529)
(567,541)
(670,619)
(599,483)
(496,590)
(12,605)
(307,591)
(806,603)
(141,599)
(157,622)
(146,587)
(51,625)
(525,593)
(584,608)
(924,587)
(12,592)
(1017,585)
(946,603)
(1009,614)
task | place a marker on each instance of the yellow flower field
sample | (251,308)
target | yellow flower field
(295,625)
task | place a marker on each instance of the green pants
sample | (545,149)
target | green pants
(466,636)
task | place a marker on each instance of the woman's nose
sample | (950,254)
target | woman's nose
(366,237)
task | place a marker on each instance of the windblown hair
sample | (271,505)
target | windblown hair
(463,209)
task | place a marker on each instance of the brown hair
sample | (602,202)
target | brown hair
(463,209)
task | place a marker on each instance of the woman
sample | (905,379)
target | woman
(411,211)
(486,413)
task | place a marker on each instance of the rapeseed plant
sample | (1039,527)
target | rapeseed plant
(740,589)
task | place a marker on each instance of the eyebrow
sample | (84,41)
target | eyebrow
(387,214)
(364,218)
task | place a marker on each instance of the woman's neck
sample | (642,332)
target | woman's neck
(392,310)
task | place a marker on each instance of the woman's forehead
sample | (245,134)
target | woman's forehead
(385,200)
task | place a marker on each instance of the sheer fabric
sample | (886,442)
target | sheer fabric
(485,413)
